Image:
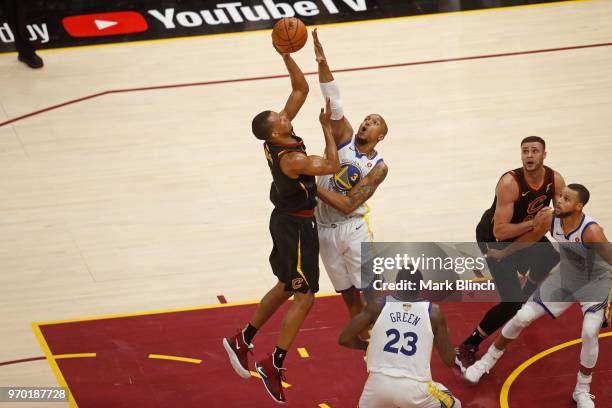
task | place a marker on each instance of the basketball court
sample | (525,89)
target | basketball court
(134,212)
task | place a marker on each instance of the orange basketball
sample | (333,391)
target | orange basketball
(289,34)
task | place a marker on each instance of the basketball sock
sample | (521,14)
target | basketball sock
(278,357)
(475,339)
(584,379)
(583,383)
(248,333)
(495,352)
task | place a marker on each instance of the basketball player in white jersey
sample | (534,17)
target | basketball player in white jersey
(399,351)
(586,256)
(341,211)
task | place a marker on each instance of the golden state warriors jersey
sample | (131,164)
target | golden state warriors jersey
(402,340)
(354,166)
(577,258)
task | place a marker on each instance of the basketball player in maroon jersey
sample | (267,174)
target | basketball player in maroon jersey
(295,253)
(520,196)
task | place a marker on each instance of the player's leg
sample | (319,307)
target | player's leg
(268,305)
(591,325)
(509,288)
(353,300)
(238,346)
(540,259)
(434,395)
(283,231)
(293,319)
(378,391)
(331,254)
(528,313)
(303,278)
(305,282)
(354,234)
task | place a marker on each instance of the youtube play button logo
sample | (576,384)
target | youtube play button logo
(100,24)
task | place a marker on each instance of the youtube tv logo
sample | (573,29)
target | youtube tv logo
(101,24)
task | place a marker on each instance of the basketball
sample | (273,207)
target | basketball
(289,34)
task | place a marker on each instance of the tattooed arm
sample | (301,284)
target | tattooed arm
(358,194)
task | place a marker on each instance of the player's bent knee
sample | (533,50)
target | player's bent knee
(523,318)
(591,325)
(590,342)
(305,300)
(528,313)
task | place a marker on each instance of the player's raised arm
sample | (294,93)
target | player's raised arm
(358,194)
(341,128)
(294,164)
(442,340)
(507,191)
(299,87)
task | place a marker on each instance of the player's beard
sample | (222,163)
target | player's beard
(359,141)
(563,214)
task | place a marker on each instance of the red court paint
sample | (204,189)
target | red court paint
(121,375)
(260,78)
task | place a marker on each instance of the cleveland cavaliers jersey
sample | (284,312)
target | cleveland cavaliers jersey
(526,205)
(354,166)
(288,194)
(578,258)
(402,340)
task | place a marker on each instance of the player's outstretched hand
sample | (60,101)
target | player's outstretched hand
(325,115)
(318,48)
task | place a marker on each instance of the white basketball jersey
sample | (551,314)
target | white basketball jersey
(402,340)
(556,229)
(354,166)
(584,259)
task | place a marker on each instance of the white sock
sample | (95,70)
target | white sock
(495,352)
(584,379)
(584,382)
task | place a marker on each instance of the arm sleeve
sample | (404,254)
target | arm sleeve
(330,90)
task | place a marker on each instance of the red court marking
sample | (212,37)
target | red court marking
(123,377)
(222,299)
(260,78)
(24,360)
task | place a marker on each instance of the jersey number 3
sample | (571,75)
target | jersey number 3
(395,336)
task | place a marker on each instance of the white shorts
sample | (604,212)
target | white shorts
(340,249)
(557,287)
(556,309)
(383,391)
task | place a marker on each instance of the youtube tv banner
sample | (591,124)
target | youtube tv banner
(57,24)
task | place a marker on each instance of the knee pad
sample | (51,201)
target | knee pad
(523,318)
(498,315)
(528,313)
(590,342)
(591,324)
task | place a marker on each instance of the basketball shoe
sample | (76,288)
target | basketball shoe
(272,378)
(237,351)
